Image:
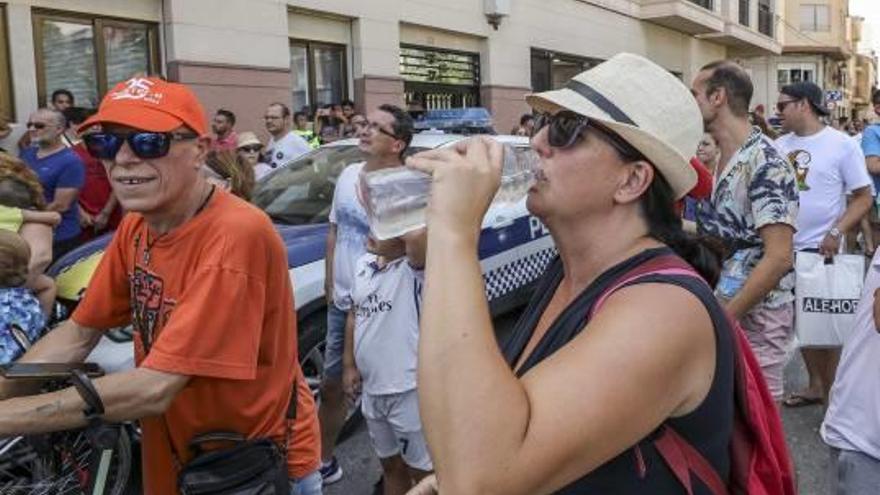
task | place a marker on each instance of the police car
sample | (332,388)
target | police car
(514,246)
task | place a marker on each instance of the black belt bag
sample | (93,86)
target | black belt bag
(249,467)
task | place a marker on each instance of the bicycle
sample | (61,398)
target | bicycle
(95,460)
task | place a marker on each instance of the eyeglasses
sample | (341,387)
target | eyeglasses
(566,128)
(36,125)
(251,149)
(780,106)
(373,126)
(145,145)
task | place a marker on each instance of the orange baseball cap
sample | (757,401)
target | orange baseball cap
(150,104)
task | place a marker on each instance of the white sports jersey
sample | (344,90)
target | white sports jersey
(387,304)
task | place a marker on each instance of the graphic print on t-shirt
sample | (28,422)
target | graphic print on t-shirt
(150,311)
(800,160)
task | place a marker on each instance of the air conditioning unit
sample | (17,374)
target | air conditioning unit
(495,10)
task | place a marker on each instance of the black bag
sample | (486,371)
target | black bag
(250,467)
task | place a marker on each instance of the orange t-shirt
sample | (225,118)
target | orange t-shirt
(212,300)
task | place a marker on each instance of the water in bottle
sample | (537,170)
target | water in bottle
(396,198)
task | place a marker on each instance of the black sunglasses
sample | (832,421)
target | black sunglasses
(36,125)
(145,145)
(251,149)
(780,106)
(566,128)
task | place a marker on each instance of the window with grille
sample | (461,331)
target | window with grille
(439,79)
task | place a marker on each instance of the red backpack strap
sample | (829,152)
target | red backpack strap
(683,459)
(662,265)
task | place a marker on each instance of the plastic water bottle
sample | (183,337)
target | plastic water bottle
(396,198)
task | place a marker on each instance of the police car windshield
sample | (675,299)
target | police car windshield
(301,192)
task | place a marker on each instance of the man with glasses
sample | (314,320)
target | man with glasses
(752,211)
(387,134)
(61,173)
(201,276)
(61,100)
(284,145)
(830,165)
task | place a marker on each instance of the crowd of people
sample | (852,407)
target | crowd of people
(685,212)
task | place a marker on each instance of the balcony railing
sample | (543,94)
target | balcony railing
(744,12)
(765,21)
(706,4)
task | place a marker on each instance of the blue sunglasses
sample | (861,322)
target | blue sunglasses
(145,145)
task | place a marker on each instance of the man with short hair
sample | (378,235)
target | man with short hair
(387,135)
(347,109)
(752,211)
(284,145)
(301,128)
(223,125)
(62,99)
(61,173)
(830,165)
(526,126)
(201,276)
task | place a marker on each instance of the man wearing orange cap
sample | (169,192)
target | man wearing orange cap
(201,276)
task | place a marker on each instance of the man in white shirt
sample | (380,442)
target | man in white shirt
(829,165)
(385,137)
(284,145)
(852,422)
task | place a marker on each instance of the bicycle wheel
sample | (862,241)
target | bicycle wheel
(60,466)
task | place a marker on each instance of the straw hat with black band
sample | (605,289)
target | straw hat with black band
(644,104)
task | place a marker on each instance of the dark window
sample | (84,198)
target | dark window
(319,73)
(744,14)
(706,4)
(439,79)
(552,70)
(87,55)
(765,17)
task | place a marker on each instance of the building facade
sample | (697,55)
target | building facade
(820,43)
(244,54)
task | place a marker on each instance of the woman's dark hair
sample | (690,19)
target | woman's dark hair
(664,221)
(664,224)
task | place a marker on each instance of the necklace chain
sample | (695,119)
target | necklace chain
(150,243)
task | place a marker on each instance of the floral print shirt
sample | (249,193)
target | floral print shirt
(758,187)
(18,307)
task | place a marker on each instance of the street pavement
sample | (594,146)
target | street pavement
(362,468)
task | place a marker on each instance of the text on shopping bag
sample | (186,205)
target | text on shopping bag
(830,306)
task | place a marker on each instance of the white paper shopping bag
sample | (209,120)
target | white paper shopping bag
(827,293)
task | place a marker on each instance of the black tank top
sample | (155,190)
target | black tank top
(639,469)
